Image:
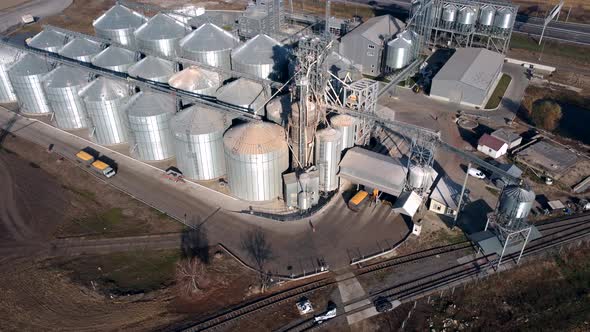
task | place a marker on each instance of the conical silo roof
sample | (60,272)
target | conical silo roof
(64,76)
(49,40)
(145,104)
(261,49)
(8,55)
(195,79)
(30,65)
(104,89)
(153,68)
(242,92)
(255,138)
(114,56)
(209,37)
(404,39)
(161,26)
(79,47)
(198,120)
(119,17)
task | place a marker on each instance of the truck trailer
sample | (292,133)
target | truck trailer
(91,160)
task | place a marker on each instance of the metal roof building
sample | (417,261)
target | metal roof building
(468,77)
(365,45)
(358,166)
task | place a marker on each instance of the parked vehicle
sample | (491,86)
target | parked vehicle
(356,202)
(90,157)
(476,173)
(103,168)
(382,304)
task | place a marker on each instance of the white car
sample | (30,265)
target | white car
(476,173)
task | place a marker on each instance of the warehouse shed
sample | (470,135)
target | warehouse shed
(365,45)
(469,77)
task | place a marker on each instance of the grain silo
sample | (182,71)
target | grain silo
(48,40)
(209,44)
(26,78)
(153,69)
(198,142)
(327,157)
(346,124)
(118,24)
(105,102)
(197,80)
(80,49)
(8,56)
(149,116)
(279,109)
(261,56)
(161,34)
(62,87)
(116,59)
(400,50)
(256,155)
(244,93)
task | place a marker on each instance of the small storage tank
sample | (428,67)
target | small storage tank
(244,93)
(516,202)
(149,116)
(327,157)
(116,59)
(504,18)
(449,13)
(196,80)
(346,124)
(419,177)
(118,24)
(105,102)
(278,109)
(467,16)
(304,200)
(400,51)
(62,87)
(198,142)
(486,15)
(261,56)
(161,34)
(80,49)
(26,78)
(256,154)
(209,44)
(153,69)
(8,56)
(48,40)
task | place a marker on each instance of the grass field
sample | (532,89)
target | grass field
(498,93)
(550,47)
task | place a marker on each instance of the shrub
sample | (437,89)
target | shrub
(546,114)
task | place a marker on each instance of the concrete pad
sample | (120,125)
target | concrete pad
(350,289)
(361,315)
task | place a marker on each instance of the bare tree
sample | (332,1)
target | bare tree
(259,250)
(191,277)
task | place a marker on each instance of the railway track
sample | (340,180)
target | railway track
(555,233)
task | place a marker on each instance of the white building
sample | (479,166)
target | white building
(509,137)
(492,146)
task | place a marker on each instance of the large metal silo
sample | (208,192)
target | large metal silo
(8,56)
(504,18)
(256,155)
(48,40)
(26,77)
(209,44)
(62,88)
(196,80)
(118,24)
(261,56)
(149,123)
(116,59)
(161,34)
(279,109)
(244,93)
(515,202)
(80,49)
(105,102)
(153,69)
(346,124)
(327,157)
(400,51)
(198,142)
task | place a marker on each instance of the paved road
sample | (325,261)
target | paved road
(339,233)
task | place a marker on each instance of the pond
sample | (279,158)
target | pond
(574,122)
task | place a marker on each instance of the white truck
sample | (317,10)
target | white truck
(84,157)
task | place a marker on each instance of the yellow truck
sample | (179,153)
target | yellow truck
(356,202)
(88,159)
